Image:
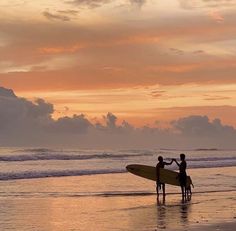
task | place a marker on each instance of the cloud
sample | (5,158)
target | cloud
(89,3)
(190,4)
(26,123)
(158,93)
(94,76)
(85,49)
(14,3)
(76,124)
(199,52)
(138,3)
(98,3)
(82,53)
(177,51)
(23,121)
(18,112)
(201,126)
(216,16)
(60,17)
(216,97)
(111,120)
(68,12)
(200,130)
(7,93)
(136,45)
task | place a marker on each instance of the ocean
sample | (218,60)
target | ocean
(27,163)
(57,190)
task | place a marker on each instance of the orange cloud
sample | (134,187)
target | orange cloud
(175,68)
(129,40)
(216,16)
(119,72)
(60,49)
(164,115)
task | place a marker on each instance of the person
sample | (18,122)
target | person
(161,164)
(182,174)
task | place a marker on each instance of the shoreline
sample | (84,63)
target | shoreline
(97,202)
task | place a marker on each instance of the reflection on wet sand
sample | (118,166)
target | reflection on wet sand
(172,215)
(59,204)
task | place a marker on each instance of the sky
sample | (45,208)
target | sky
(148,62)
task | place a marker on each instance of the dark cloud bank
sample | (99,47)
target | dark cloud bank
(26,123)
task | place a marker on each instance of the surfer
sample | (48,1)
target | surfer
(159,185)
(182,174)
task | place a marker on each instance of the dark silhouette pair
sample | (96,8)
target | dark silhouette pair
(182,176)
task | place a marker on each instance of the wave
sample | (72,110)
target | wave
(56,156)
(62,173)
(213,158)
(74,156)
(207,149)
(41,150)
(199,159)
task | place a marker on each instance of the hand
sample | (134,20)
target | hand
(173,159)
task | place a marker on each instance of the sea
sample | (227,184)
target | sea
(28,163)
(44,189)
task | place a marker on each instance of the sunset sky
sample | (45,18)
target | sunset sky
(146,61)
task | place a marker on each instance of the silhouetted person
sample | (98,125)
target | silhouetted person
(182,174)
(159,185)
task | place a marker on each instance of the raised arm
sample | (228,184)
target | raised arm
(169,163)
(176,162)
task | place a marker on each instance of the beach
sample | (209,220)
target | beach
(118,201)
(107,104)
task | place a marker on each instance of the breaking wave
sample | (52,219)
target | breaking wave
(56,156)
(42,162)
(44,174)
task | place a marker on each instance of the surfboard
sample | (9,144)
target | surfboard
(149,172)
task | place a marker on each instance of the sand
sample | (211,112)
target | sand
(99,203)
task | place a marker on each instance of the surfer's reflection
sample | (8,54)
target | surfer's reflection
(161,202)
(172,214)
(184,209)
(161,214)
(187,197)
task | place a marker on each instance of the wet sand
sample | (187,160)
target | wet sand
(98,202)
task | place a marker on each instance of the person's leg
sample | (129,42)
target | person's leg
(164,192)
(157,189)
(189,193)
(182,190)
(185,186)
